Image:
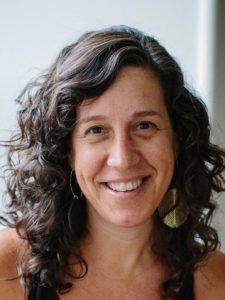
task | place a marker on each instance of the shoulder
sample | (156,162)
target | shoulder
(9,248)
(10,286)
(210,277)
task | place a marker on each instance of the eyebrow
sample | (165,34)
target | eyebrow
(144,113)
(91,118)
(147,113)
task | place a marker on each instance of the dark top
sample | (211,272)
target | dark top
(41,293)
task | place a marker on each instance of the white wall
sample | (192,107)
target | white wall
(33,32)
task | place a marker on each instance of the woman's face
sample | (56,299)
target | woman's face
(123,149)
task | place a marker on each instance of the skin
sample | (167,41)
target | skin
(10,245)
(124,135)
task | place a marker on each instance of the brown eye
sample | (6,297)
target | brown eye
(96,130)
(145,125)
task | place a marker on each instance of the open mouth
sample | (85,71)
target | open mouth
(125,186)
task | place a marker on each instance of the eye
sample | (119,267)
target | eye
(145,125)
(95,130)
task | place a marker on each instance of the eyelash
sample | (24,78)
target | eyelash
(98,129)
(93,130)
(150,125)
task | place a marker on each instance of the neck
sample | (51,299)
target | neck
(121,248)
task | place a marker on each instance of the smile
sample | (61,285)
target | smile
(125,186)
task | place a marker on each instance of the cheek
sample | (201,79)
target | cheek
(162,158)
(161,152)
(165,156)
(86,163)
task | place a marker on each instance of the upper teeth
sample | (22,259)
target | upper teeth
(125,186)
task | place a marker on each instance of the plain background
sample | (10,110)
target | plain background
(33,32)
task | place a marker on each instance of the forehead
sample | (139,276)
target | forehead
(134,88)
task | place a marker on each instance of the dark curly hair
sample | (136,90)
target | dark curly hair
(38,171)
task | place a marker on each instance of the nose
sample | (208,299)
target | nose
(123,153)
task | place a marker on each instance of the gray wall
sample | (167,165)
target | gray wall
(218,103)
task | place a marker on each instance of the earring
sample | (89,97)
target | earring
(173,211)
(75,197)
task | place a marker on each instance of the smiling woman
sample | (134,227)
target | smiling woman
(111,177)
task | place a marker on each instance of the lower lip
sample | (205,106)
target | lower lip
(127,194)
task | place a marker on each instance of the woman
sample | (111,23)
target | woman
(111,178)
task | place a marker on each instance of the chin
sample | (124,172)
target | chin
(130,221)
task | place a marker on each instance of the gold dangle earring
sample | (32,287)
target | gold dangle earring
(172,210)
